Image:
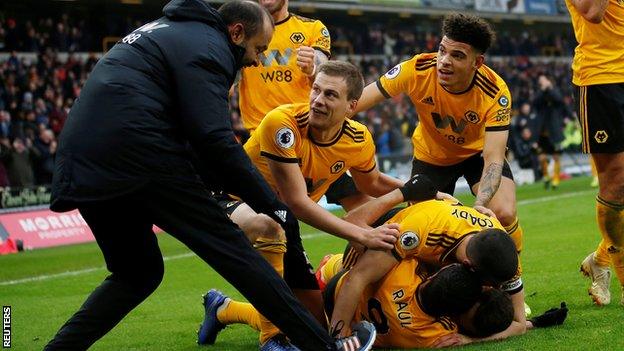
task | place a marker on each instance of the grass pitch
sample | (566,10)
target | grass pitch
(45,287)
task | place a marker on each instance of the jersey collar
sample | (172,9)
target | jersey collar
(472,83)
(332,141)
(446,256)
(284,20)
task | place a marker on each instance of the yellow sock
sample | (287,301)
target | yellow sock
(556,171)
(617,259)
(239,312)
(515,232)
(331,267)
(610,222)
(602,254)
(273,251)
(544,164)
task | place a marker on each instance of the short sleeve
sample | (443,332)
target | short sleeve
(278,137)
(498,116)
(413,235)
(366,158)
(398,79)
(321,40)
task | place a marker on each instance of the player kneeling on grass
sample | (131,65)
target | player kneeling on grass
(438,233)
(410,310)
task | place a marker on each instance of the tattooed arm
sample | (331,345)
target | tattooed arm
(493,161)
(309,59)
(320,57)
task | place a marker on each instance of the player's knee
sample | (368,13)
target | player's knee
(611,175)
(613,190)
(506,214)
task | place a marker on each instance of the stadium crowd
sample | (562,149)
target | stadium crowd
(66,34)
(35,98)
(377,39)
(36,95)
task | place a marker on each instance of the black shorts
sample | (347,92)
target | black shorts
(600,110)
(298,272)
(445,177)
(547,146)
(341,188)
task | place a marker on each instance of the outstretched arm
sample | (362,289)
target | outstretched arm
(418,188)
(375,183)
(292,190)
(371,96)
(369,212)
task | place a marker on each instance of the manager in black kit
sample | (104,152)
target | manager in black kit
(124,161)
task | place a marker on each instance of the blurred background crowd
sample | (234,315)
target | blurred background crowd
(45,60)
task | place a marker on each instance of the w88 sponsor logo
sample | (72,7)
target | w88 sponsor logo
(277,75)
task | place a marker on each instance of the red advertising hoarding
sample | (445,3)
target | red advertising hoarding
(44,228)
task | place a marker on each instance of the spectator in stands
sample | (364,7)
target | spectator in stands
(19,158)
(5,124)
(46,146)
(521,140)
(24,81)
(58,116)
(550,111)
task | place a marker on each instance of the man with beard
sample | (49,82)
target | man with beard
(124,161)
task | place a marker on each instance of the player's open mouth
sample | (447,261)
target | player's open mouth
(318,112)
(445,73)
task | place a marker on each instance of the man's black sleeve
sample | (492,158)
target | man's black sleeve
(202,86)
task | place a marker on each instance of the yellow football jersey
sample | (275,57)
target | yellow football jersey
(392,306)
(283,136)
(451,126)
(599,56)
(431,230)
(278,80)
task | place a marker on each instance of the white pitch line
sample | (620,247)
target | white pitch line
(555,197)
(50,276)
(95,269)
(305,236)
